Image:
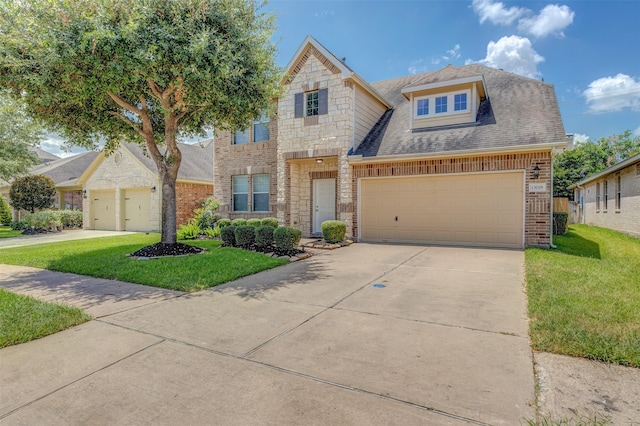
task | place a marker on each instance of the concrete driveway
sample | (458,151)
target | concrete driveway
(367,334)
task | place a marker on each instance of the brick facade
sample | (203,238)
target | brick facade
(247,159)
(189,197)
(537,211)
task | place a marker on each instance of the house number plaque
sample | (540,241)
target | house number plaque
(538,187)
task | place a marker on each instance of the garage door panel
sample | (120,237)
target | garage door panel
(104,210)
(137,209)
(480,209)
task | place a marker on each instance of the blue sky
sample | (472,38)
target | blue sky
(589,50)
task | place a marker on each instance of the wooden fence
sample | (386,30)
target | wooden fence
(561,204)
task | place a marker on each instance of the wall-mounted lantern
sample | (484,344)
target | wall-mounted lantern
(536,172)
(84,193)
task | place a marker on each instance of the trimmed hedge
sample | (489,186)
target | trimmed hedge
(245,236)
(333,231)
(560,220)
(287,238)
(222,223)
(270,221)
(253,222)
(239,222)
(264,236)
(228,236)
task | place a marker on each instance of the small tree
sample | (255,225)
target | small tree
(32,192)
(18,134)
(5,211)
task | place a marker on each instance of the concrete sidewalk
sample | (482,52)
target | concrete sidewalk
(54,237)
(367,334)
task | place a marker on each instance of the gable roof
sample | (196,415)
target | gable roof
(66,171)
(621,165)
(311,46)
(518,112)
(43,155)
(197,160)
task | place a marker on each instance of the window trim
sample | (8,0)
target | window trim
(254,192)
(234,193)
(450,102)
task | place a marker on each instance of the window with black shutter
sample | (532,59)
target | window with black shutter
(309,104)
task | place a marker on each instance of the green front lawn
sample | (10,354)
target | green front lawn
(107,258)
(24,318)
(584,296)
(7,232)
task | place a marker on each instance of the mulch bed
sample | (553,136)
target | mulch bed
(162,249)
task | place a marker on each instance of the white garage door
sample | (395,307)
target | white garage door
(104,210)
(137,209)
(474,210)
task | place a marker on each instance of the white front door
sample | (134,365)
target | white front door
(324,202)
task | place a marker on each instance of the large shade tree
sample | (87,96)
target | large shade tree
(18,135)
(145,71)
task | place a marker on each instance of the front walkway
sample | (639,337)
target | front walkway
(54,237)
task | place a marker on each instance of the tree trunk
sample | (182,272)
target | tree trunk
(169,212)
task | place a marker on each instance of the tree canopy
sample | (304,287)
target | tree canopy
(32,192)
(18,134)
(588,158)
(145,71)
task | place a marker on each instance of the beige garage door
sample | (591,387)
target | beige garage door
(474,210)
(137,209)
(104,210)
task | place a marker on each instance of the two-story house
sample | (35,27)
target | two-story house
(459,156)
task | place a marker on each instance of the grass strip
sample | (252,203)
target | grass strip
(24,318)
(584,296)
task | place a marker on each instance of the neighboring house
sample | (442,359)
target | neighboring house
(122,191)
(43,155)
(611,198)
(459,156)
(65,173)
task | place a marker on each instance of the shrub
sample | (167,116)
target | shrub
(287,238)
(205,216)
(32,192)
(253,222)
(71,218)
(270,221)
(228,236)
(18,225)
(223,223)
(245,236)
(212,232)
(190,231)
(333,231)
(43,220)
(5,211)
(264,236)
(560,220)
(239,222)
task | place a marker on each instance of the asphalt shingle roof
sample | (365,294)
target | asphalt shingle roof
(519,111)
(66,171)
(197,160)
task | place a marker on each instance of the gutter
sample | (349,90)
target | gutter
(354,159)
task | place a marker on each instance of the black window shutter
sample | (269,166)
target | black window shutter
(299,105)
(323,101)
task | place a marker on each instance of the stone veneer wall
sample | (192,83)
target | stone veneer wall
(189,197)
(330,135)
(246,159)
(537,204)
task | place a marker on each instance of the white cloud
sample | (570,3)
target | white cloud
(613,94)
(496,12)
(514,54)
(325,13)
(552,19)
(580,138)
(450,55)
(418,66)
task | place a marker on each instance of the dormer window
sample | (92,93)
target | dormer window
(460,102)
(442,104)
(422,107)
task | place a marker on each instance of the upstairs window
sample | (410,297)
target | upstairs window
(312,103)
(422,107)
(261,129)
(460,102)
(440,104)
(241,137)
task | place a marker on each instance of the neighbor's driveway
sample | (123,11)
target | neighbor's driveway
(315,342)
